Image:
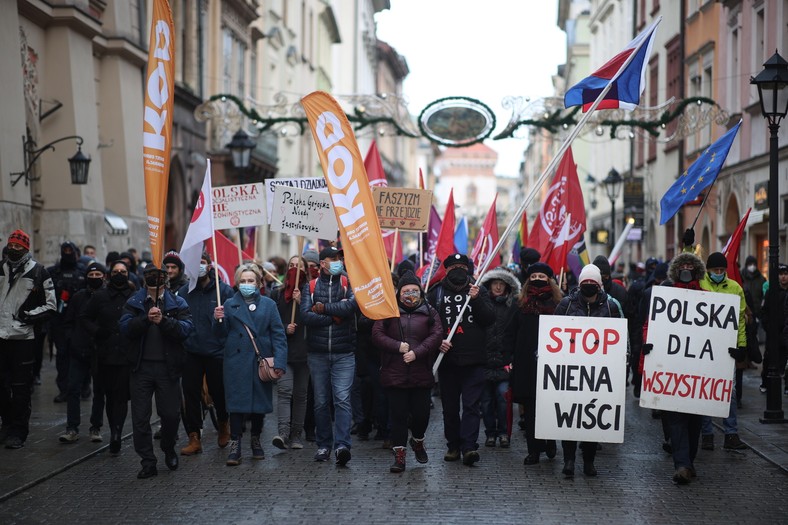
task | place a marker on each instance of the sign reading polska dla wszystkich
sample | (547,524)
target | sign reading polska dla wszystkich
(689,369)
(303,212)
(581,378)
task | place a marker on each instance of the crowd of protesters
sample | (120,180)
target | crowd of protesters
(126,331)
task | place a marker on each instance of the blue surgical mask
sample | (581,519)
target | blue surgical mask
(335,267)
(717,277)
(247,290)
(203,270)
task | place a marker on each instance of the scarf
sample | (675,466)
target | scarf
(290,282)
(692,285)
(539,301)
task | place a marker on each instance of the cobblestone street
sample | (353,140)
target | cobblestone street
(634,483)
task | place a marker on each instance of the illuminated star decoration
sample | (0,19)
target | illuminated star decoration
(709,162)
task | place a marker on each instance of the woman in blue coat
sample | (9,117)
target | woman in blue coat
(244,392)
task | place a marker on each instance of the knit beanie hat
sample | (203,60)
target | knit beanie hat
(21,238)
(528,256)
(716,260)
(602,263)
(95,266)
(172,257)
(310,256)
(539,267)
(407,277)
(590,272)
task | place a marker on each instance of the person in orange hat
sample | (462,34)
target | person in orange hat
(27,296)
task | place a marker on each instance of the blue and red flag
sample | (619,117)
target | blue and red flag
(628,82)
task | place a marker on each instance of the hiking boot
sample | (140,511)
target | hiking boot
(418,449)
(322,454)
(490,441)
(224,434)
(194,446)
(279,442)
(234,458)
(732,442)
(682,476)
(399,460)
(69,436)
(95,435)
(342,455)
(451,455)
(470,457)
(707,441)
(569,468)
(503,441)
(257,448)
(295,441)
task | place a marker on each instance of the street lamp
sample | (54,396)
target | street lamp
(241,149)
(772,84)
(78,164)
(613,184)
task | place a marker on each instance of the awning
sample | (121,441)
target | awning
(115,223)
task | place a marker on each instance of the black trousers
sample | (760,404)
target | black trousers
(408,404)
(151,379)
(16,380)
(112,381)
(461,391)
(570,449)
(79,369)
(195,368)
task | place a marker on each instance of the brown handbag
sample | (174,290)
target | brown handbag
(265,365)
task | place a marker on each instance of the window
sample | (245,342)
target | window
(240,68)
(694,89)
(758,35)
(673,79)
(733,73)
(706,91)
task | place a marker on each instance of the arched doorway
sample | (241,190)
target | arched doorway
(177,215)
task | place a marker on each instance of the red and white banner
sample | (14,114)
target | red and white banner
(226,257)
(200,229)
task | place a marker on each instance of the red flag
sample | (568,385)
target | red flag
(444,248)
(564,197)
(377,177)
(487,240)
(421,181)
(559,248)
(226,258)
(731,250)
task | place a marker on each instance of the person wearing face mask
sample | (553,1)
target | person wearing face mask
(81,347)
(540,295)
(328,309)
(312,259)
(100,319)
(157,322)
(461,374)
(715,279)
(244,316)
(27,296)
(587,300)
(408,348)
(204,352)
(752,283)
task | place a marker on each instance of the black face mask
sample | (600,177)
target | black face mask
(68,259)
(685,276)
(589,289)
(15,255)
(118,280)
(538,283)
(94,283)
(458,276)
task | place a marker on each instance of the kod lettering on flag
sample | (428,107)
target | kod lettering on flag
(581,378)
(689,369)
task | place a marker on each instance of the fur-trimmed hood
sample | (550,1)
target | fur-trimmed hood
(504,275)
(683,258)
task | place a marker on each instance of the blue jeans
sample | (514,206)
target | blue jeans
(332,380)
(494,408)
(728,424)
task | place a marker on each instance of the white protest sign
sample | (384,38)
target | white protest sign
(306,183)
(303,212)
(689,369)
(238,206)
(581,378)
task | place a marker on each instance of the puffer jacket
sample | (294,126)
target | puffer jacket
(499,355)
(334,330)
(423,332)
(575,304)
(202,301)
(28,299)
(101,319)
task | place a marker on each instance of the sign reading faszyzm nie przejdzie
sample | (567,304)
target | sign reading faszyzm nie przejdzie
(403,208)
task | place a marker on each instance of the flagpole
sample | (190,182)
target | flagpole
(298,274)
(394,250)
(613,257)
(216,268)
(703,203)
(538,185)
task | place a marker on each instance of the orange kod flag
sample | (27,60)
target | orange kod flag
(348,185)
(157,122)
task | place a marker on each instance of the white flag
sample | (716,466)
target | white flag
(200,229)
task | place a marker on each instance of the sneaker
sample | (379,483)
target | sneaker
(234,458)
(295,441)
(14,442)
(418,449)
(732,442)
(504,441)
(490,441)
(95,435)
(69,436)
(451,455)
(342,455)
(682,476)
(322,454)
(470,457)
(762,388)
(257,448)
(399,461)
(707,442)
(279,442)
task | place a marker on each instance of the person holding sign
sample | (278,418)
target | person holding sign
(540,295)
(587,300)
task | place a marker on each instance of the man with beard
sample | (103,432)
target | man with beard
(461,374)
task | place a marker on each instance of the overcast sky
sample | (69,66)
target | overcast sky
(484,50)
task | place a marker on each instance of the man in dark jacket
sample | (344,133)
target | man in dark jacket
(328,309)
(203,357)
(174,265)
(782,301)
(157,322)
(461,375)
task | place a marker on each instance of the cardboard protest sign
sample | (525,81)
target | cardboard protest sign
(403,208)
(238,206)
(581,378)
(303,212)
(306,183)
(689,369)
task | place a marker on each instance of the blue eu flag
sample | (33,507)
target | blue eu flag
(697,177)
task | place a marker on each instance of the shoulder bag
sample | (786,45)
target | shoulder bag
(265,365)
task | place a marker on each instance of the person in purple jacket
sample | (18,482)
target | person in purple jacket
(408,346)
